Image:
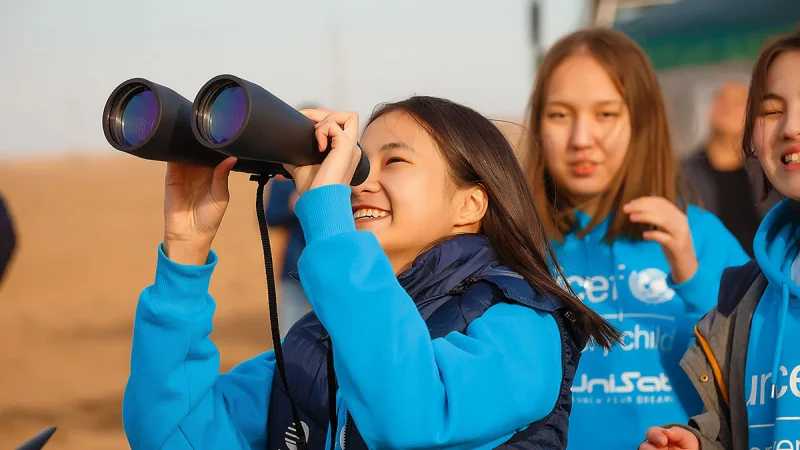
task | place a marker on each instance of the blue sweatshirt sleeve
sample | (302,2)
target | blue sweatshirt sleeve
(278,212)
(175,397)
(403,389)
(716,249)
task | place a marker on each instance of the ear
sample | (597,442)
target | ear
(470,206)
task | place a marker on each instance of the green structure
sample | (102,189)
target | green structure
(708,32)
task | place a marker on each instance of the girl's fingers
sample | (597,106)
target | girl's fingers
(316,114)
(657,236)
(656,218)
(219,182)
(656,437)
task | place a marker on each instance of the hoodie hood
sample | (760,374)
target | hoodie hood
(776,247)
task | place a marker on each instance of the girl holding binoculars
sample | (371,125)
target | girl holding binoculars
(436,320)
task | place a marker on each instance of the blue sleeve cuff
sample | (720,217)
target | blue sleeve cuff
(182,288)
(696,290)
(325,212)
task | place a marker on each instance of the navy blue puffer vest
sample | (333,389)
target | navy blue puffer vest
(452,284)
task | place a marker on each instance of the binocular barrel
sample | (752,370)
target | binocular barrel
(229,117)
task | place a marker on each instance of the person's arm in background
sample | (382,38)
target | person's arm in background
(716,249)
(280,203)
(8,238)
(696,245)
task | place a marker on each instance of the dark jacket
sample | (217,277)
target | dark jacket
(734,197)
(8,239)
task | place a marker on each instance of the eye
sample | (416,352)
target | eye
(395,159)
(556,115)
(608,114)
(770,108)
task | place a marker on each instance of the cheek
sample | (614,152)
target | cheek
(616,147)
(619,139)
(762,132)
(414,198)
(554,146)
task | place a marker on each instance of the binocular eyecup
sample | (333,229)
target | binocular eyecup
(230,116)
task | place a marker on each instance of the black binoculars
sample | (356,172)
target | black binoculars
(229,117)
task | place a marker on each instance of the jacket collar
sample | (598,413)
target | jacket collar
(443,267)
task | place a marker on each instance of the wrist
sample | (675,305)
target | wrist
(685,270)
(185,252)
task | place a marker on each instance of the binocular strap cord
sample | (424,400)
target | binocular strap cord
(332,393)
(273,307)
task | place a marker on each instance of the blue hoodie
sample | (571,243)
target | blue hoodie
(772,372)
(404,389)
(618,395)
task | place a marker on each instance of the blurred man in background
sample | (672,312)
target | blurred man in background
(8,240)
(280,213)
(717,171)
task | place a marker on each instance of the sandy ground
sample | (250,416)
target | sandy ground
(88,232)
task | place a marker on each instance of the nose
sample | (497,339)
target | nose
(791,124)
(581,133)
(371,184)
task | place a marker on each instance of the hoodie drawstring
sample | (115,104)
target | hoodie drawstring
(782,312)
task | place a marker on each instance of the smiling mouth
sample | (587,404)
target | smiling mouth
(583,168)
(369,213)
(791,158)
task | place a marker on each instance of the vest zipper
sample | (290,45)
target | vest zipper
(715,369)
(346,431)
(463,285)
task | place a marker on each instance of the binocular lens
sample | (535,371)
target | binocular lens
(223,112)
(135,116)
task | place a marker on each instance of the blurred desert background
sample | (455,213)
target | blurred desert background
(88,229)
(89,219)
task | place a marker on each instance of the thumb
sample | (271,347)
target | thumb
(290,168)
(219,183)
(657,436)
(682,438)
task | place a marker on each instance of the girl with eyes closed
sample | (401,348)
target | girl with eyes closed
(754,402)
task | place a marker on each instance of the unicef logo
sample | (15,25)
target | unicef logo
(650,286)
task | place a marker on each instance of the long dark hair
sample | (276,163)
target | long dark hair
(649,167)
(758,85)
(478,154)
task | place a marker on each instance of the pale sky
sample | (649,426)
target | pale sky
(61,59)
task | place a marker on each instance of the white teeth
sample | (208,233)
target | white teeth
(369,214)
(791,158)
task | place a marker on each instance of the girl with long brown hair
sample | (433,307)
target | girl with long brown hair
(628,240)
(746,345)
(436,321)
